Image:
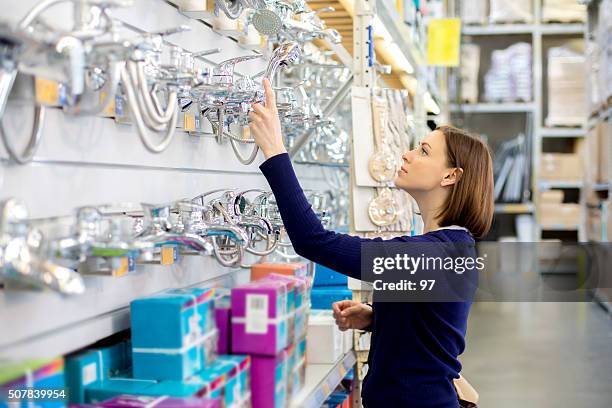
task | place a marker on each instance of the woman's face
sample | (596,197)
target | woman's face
(424,168)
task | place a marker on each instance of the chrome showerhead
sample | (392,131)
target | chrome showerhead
(283,55)
(267,22)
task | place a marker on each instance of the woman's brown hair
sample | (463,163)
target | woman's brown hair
(470,202)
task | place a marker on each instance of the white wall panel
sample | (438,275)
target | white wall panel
(93,160)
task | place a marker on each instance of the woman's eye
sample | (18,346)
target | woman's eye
(423,151)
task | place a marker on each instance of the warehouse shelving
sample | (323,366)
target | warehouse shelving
(321,381)
(514,208)
(536,33)
(507,107)
(558,132)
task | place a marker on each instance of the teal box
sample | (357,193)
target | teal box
(175,364)
(93,366)
(172,318)
(241,368)
(171,334)
(323,297)
(113,387)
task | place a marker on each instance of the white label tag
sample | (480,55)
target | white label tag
(256,314)
(90,373)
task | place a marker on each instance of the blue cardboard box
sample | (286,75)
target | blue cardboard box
(173,334)
(36,374)
(325,276)
(95,365)
(323,297)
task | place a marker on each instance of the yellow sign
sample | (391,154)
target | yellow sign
(47,92)
(123,268)
(443,40)
(167,255)
(109,109)
(189,122)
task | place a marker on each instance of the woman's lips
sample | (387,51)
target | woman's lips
(402,170)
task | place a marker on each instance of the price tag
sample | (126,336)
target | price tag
(189,121)
(47,92)
(109,109)
(167,255)
(122,268)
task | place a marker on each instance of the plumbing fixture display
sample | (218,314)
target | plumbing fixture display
(227,224)
(100,63)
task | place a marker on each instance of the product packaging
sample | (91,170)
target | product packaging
(260,317)
(35,374)
(143,401)
(261,270)
(269,381)
(95,365)
(223,313)
(173,334)
(325,343)
(325,276)
(302,289)
(324,297)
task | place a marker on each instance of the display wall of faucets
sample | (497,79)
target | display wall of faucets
(96,63)
(227,224)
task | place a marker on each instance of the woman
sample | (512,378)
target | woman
(415,346)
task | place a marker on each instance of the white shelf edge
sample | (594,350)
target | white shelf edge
(562,132)
(563,29)
(509,107)
(544,185)
(498,29)
(74,336)
(514,208)
(314,388)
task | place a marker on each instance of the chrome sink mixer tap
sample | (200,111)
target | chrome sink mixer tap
(20,254)
(225,100)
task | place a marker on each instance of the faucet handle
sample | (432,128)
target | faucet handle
(224,71)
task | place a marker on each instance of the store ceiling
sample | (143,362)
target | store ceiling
(342,20)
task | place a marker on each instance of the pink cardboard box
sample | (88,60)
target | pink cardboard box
(269,375)
(260,317)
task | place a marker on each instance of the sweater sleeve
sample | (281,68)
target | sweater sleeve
(340,252)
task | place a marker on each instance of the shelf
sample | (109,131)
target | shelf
(600,186)
(45,324)
(514,208)
(321,164)
(498,29)
(321,381)
(493,107)
(400,33)
(559,132)
(562,29)
(547,185)
(559,227)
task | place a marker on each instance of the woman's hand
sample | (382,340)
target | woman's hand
(265,125)
(352,315)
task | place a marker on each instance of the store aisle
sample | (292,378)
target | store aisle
(540,355)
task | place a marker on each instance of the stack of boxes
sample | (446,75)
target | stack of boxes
(555,213)
(172,354)
(35,374)
(563,167)
(566,87)
(329,287)
(268,321)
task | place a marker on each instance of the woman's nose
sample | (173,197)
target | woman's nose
(407,156)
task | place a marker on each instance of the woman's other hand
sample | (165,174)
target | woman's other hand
(352,315)
(265,125)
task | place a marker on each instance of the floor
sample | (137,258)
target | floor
(540,355)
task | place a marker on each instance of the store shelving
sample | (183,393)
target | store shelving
(321,381)
(514,208)
(562,29)
(547,185)
(559,132)
(507,107)
(498,29)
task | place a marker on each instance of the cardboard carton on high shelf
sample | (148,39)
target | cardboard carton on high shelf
(269,380)
(561,167)
(551,197)
(604,137)
(261,270)
(173,334)
(566,215)
(37,374)
(260,317)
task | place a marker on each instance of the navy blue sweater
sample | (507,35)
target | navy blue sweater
(415,346)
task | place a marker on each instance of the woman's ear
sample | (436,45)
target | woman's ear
(452,176)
